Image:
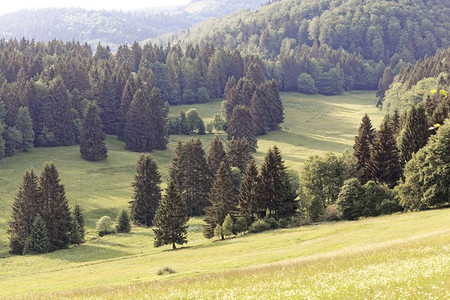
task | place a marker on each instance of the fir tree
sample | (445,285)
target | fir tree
(92,145)
(37,242)
(363,147)
(239,153)
(171,218)
(248,195)
(414,134)
(216,155)
(54,208)
(123,222)
(158,121)
(222,200)
(75,233)
(24,209)
(384,160)
(138,132)
(273,104)
(78,216)
(25,126)
(147,191)
(241,126)
(127,97)
(228,226)
(260,113)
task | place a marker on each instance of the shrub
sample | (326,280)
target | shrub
(240,225)
(331,213)
(306,84)
(274,224)
(218,231)
(389,206)
(166,271)
(259,226)
(105,226)
(227,226)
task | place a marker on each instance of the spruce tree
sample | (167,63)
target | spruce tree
(177,170)
(37,242)
(25,126)
(171,218)
(260,113)
(274,106)
(75,233)
(147,191)
(24,209)
(228,226)
(222,200)
(54,208)
(127,97)
(123,222)
(92,145)
(414,134)
(216,155)
(78,216)
(363,147)
(248,195)
(239,153)
(138,132)
(158,121)
(241,126)
(384,162)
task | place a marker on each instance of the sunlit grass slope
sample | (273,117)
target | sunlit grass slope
(398,256)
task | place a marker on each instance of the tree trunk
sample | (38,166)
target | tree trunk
(173,246)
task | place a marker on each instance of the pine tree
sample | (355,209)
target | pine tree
(222,200)
(241,126)
(75,233)
(37,242)
(414,134)
(171,218)
(260,113)
(24,209)
(248,196)
(158,121)
(54,208)
(25,126)
(92,145)
(78,216)
(196,180)
(384,162)
(239,153)
(123,222)
(147,191)
(363,147)
(273,105)
(216,155)
(127,97)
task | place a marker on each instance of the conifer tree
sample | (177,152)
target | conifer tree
(177,170)
(216,155)
(350,199)
(363,147)
(75,233)
(248,195)
(54,208)
(158,121)
(25,126)
(123,222)
(37,242)
(241,126)
(2,140)
(414,134)
(147,191)
(384,162)
(127,97)
(92,145)
(228,226)
(273,104)
(260,113)
(24,209)
(196,182)
(78,216)
(222,200)
(171,218)
(239,153)
(138,131)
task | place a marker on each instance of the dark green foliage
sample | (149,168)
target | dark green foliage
(216,155)
(414,134)
(92,145)
(202,95)
(316,209)
(147,191)
(2,140)
(37,242)
(75,233)
(306,84)
(239,153)
(376,199)
(259,226)
(222,200)
(54,208)
(228,226)
(427,174)
(78,216)
(241,126)
(123,222)
(384,160)
(249,193)
(24,211)
(194,122)
(363,147)
(241,225)
(25,126)
(126,98)
(350,199)
(171,218)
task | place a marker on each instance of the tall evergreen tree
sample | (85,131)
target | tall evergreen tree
(260,113)
(241,126)
(78,216)
(363,147)
(239,153)
(147,191)
(127,97)
(25,126)
(384,159)
(54,208)
(92,145)
(138,131)
(273,104)
(248,195)
(222,200)
(24,209)
(37,242)
(123,222)
(414,134)
(216,155)
(171,218)
(158,119)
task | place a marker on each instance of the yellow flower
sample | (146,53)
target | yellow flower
(433,91)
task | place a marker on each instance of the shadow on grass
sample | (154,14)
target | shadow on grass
(87,253)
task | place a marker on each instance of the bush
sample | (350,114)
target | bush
(105,226)
(389,207)
(274,224)
(227,226)
(241,225)
(306,84)
(259,226)
(331,213)
(218,231)
(166,271)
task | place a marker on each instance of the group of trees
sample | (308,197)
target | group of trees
(41,219)
(186,123)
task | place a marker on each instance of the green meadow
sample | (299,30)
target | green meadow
(313,125)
